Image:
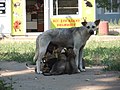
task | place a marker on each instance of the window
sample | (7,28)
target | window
(2,7)
(65,7)
(113,7)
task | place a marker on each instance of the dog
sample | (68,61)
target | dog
(75,37)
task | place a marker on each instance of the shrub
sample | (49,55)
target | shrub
(119,22)
(115,22)
(4,87)
(111,22)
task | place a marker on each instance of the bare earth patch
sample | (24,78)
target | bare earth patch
(25,79)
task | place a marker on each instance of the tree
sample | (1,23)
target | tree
(106,4)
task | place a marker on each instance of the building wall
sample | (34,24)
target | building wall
(5,20)
(101,15)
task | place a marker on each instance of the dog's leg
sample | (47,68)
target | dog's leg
(39,60)
(38,67)
(76,51)
(80,61)
(42,50)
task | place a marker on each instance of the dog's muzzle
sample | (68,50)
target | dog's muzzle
(91,32)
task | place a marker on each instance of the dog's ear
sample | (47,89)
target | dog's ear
(97,22)
(84,23)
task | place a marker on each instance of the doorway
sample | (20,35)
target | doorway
(34,16)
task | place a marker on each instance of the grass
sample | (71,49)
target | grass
(4,86)
(18,51)
(103,53)
(95,53)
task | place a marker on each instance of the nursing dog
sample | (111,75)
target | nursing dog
(75,37)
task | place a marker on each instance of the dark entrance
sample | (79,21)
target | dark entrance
(34,16)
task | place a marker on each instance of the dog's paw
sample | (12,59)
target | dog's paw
(38,72)
(82,70)
(78,71)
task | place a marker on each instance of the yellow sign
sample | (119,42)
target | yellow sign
(18,14)
(88,14)
(65,22)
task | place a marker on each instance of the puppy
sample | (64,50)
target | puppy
(71,66)
(66,63)
(49,60)
(59,67)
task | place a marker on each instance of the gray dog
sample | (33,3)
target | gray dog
(75,37)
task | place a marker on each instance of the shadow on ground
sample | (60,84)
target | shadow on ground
(94,78)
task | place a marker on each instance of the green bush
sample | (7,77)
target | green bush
(111,22)
(115,22)
(4,87)
(119,22)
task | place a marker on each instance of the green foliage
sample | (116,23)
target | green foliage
(119,22)
(4,86)
(115,22)
(103,4)
(111,22)
(106,4)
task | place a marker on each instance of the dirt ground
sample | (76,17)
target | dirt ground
(25,79)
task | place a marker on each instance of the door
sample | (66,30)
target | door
(65,13)
(34,16)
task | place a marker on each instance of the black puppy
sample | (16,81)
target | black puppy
(71,66)
(59,67)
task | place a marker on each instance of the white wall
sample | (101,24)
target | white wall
(5,20)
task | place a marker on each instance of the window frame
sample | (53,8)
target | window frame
(58,8)
(111,9)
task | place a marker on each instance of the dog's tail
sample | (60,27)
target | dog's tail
(29,65)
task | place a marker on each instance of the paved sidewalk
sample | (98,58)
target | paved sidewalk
(26,79)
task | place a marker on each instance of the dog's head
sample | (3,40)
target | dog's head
(91,26)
